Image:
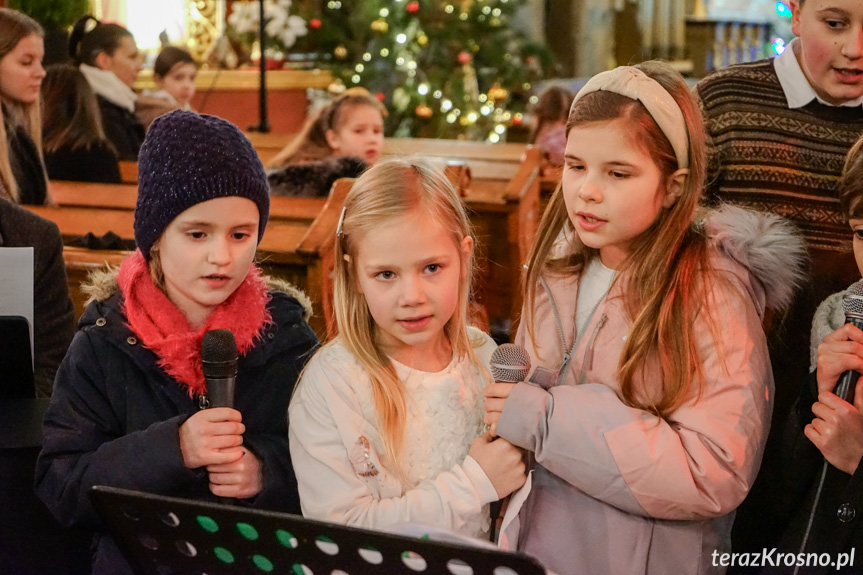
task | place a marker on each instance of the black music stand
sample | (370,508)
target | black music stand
(168,535)
(16,361)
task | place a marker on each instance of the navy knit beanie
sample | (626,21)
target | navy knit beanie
(189,158)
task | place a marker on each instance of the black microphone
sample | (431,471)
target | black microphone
(852,303)
(219,359)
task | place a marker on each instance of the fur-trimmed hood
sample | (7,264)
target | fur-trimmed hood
(314,179)
(101,284)
(829,317)
(768,246)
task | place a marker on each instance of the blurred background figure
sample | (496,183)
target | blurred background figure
(549,130)
(22,174)
(108,57)
(74,140)
(174,73)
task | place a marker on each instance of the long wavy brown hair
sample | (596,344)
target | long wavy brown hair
(662,305)
(14,27)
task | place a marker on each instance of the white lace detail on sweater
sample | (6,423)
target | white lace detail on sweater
(444,417)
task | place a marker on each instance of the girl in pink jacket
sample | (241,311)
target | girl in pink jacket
(649,401)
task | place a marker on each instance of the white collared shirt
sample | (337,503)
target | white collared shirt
(798,90)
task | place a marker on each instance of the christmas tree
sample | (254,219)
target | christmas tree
(444,69)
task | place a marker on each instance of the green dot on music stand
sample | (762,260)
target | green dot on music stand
(262,563)
(207,524)
(286,538)
(224,555)
(247,531)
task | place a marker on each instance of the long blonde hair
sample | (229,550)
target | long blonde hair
(388,190)
(311,144)
(14,27)
(662,304)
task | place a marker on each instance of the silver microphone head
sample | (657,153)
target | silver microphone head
(852,301)
(510,363)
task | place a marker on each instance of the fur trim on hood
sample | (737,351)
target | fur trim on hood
(767,245)
(829,317)
(102,284)
(313,180)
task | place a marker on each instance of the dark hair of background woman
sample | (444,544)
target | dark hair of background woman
(85,45)
(71,116)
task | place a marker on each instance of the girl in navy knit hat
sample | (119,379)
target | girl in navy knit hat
(129,403)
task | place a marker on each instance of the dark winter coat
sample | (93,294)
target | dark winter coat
(26,167)
(314,179)
(53,311)
(122,128)
(94,163)
(837,524)
(115,416)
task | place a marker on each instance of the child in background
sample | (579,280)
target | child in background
(22,174)
(174,73)
(129,398)
(340,141)
(75,144)
(824,426)
(549,130)
(386,421)
(655,384)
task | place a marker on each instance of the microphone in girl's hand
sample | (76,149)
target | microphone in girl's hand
(852,303)
(219,359)
(510,363)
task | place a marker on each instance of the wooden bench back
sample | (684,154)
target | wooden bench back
(128,172)
(88,195)
(487,161)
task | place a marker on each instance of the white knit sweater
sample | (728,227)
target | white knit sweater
(337,453)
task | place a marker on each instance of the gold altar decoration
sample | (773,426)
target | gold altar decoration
(205,23)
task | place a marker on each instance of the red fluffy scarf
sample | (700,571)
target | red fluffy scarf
(162,327)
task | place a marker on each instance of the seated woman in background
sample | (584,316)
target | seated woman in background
(107,56)
(73,137)
(549,129)
(174,73)
(53,311)
(22,175)
(340,141)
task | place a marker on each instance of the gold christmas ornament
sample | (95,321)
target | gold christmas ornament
(340,52)
(380,25)
(422,39)
(423,111)
(497,93)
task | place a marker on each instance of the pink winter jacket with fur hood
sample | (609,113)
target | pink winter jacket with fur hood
(617,490)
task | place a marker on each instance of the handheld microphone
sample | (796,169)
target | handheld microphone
(852,303)
(219,359)
(510,363)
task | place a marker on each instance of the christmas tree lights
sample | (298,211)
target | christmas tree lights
(444,69)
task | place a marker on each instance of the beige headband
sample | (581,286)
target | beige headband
(635,84)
